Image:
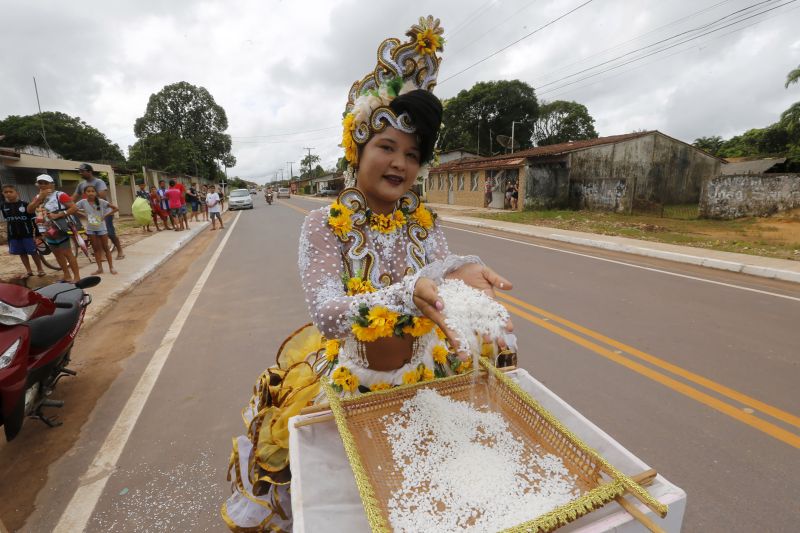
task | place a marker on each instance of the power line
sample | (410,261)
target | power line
(517,41)
(472,16)
(620,45)
(633,60)
(484,34)
(672,37)
(666,56)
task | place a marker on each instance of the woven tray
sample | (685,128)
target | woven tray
(359,422)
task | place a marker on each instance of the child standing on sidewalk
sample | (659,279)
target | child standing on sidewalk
(176,200)
(214,207)
(96,210)
(19,227)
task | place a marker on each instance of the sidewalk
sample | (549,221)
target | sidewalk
(766,267)
(141,259)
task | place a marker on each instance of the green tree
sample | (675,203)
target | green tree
(793,77)
(70,137)
(562,121)
(183,130)
(488,108)
(307,164)
(712,145)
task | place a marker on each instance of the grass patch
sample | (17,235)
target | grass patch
(755,236)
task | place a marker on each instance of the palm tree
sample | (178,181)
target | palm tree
(793,77)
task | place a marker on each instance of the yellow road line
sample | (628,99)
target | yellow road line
(730,410)
(299,209)
(706,399)
(686,374)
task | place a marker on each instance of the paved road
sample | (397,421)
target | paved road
(693,370)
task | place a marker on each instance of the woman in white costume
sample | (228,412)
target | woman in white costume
(369,265)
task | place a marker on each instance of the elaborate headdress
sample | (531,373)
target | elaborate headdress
(402,69)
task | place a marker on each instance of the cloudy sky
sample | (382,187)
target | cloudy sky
(282,69)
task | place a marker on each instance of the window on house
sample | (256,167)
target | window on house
(441,182)
(461,182)
(473,181)
(450,181)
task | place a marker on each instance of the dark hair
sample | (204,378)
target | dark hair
(171,183)
(9,186)
(425,111)
(96,198)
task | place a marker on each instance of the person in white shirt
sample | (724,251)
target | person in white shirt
(214,207)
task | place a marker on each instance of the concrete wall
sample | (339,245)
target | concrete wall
(649,169)
(545,186)
(750,195)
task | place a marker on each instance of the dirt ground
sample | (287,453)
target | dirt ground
(775,236)
(25,460)
(11,269)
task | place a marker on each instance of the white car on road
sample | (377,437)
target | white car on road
(240,199)
(283,192)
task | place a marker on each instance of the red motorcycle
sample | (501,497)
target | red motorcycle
(37,331)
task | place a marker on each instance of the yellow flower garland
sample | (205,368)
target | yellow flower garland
(331,350)
(440,354)
(339,219)
(419,326)
(387,223)
(423,217)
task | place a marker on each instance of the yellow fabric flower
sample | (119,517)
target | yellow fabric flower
(425,374)
(487,349)
(382,320)
(381,385)
(348,142)
(340,375)
(350,383)
(331,350)
(365,334)
(399,219)
(411,377)
(381,223)
(423,217)
(440,333)
(339,219)
(464,366)
(419,326)
(359,286)
(440,354)
(428,42)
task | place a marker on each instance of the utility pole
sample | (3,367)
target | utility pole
(513,122)
(41,121)
(309,150)
(291,172)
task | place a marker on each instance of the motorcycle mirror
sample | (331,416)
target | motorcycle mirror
(88,281)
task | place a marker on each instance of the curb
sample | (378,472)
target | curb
(719,264)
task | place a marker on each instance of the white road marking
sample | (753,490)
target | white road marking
(667,272)
(81,506)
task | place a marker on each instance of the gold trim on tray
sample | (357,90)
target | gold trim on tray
(532,420)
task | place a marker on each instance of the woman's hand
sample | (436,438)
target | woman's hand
(426,298)
(487,280)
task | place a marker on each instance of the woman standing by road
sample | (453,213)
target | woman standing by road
(52,209)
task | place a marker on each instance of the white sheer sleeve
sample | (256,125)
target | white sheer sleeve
(321,269)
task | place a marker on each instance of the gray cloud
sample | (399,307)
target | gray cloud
(283,67)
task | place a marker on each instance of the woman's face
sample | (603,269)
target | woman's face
(389,165)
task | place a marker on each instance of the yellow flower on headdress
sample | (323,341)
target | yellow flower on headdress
(359,286)
(419,326)
(381,385)
(411,377)
(348,142)
(440,354)
(423,217)
(339,219)
(428,42)
(331,350)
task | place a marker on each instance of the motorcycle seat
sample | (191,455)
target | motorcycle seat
(47,330)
